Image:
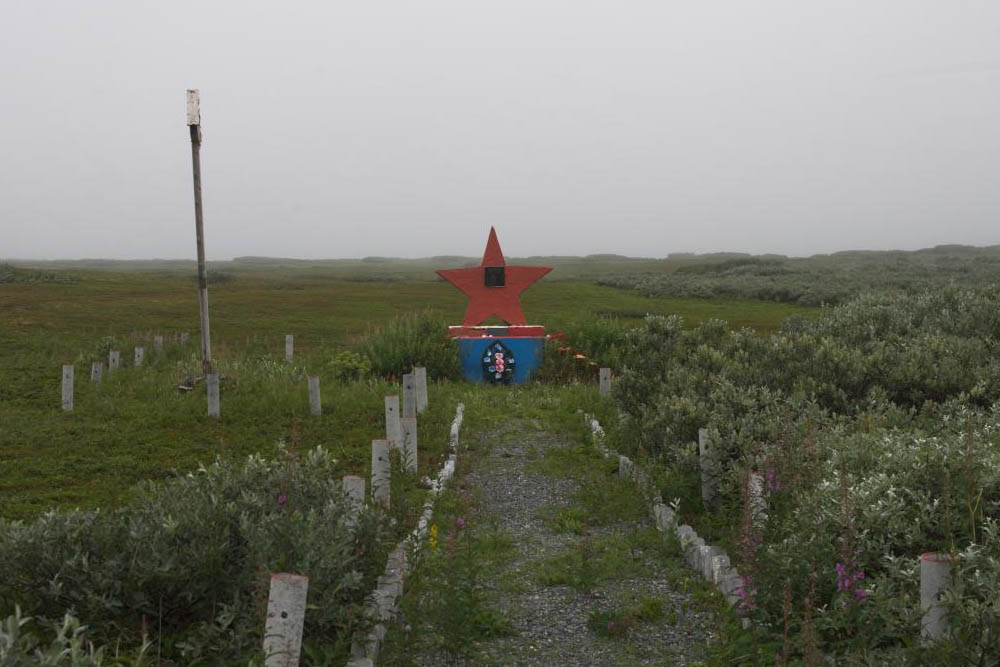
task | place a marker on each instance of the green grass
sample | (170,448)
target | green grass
(136,425)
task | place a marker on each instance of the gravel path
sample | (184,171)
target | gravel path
(551,621)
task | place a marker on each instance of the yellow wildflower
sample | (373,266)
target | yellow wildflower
(433,539)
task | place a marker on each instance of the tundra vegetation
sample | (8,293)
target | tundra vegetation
(136,531)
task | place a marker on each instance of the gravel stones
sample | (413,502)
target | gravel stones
(551,621)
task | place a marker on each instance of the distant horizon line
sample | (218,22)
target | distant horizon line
(605,255)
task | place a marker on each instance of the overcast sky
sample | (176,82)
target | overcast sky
(407,128)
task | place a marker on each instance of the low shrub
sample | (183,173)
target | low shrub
(187,564)
(419,339)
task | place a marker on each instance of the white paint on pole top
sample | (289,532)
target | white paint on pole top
(420,377)
(381,472)
(409,395)
(393,427)
(193,107)
(67,387)
(315,405)
(286,614)
(410,443)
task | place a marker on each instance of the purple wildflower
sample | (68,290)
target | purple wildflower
(460,522)
(282,499)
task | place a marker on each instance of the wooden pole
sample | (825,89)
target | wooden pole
(194,125)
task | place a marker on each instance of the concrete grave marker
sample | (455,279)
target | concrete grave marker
(707,460)
(381,472)
(67,388)
(139,354)
(354,489)
(393,426)
(605,380)
(289,347)
(315,406)
(114,361)
(410,444)
(409,395)
(96,370)
(420,376)
(286,613)
(935,575)
(212,383)
(158,344)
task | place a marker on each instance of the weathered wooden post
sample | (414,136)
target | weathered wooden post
(409,395)
(410,443)
(114,360)
(706,457)
(381,472)
(286,614)
(194,126)
(96,370)
(935,575)
(140,352)
(393,426)
(289,347)
(315,407)
(212,382)
(605,381)
(420,378)
(67,388)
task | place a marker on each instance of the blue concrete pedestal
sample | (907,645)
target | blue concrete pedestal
(520,357)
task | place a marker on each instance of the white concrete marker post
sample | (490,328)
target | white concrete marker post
(354,489)
(935,575)
(706,457)
(139,354)
(605,379)
(393,426)
(381,472)
(315,406)
(758,504)
(158,344)
(286,614)
(410,444)
(409,395)
(289,347)
(114,361)
(67,388)
(420,377)
(212,382)
(96,370)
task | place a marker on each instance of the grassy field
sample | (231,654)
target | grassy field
(138,425)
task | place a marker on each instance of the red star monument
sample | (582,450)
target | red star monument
(493,287)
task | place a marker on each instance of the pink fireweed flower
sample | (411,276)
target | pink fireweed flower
(847,582)
(282,499)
